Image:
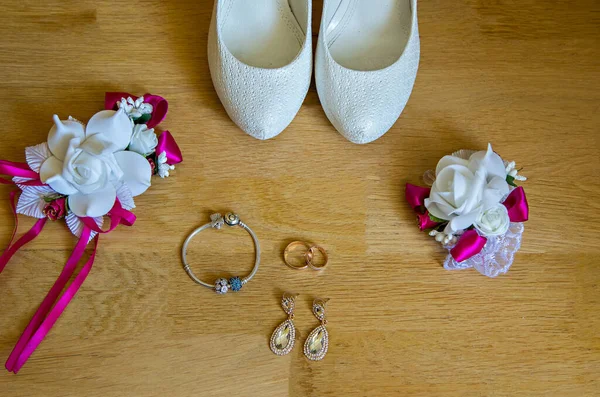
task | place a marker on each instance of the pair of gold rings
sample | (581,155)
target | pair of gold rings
(306,257)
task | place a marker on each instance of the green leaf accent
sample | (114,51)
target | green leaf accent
(143,119)
(436,219)
(511,180)
(50,199)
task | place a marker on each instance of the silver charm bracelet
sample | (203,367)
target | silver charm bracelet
(222,285)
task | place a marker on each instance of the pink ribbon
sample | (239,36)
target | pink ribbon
(159,104)
(167,144)
(20,170)
(117,215)
(471,243)
(50,309)
(516,204)
(46,315)
(415,196)
(26,238)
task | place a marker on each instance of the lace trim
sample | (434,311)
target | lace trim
(497,255)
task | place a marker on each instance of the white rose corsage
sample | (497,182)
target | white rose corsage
(86,173)
(474,208)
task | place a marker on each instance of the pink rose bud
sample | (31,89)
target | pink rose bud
(425,222)
(152,164)
(56,209)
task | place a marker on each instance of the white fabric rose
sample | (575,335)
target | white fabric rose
(143,140)
(493,221)
(86,172)
(465,188)
(88,165)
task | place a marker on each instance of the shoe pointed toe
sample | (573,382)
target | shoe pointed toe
(362,131)
(263,125)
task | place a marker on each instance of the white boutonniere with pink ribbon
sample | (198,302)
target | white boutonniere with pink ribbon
(474,208)
(86,174)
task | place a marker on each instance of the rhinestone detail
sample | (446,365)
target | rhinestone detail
(277,337)
(314,349)
(235,283)
(288,305)
(221,286)
(319,311)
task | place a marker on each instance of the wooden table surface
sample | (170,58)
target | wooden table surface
(523,75)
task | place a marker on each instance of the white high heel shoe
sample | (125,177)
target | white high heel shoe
(260,58)
(366,64)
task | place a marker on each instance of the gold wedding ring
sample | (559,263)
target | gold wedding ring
(307,256)
(311,256)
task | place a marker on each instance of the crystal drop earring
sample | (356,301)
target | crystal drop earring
(317,343)
(283,338)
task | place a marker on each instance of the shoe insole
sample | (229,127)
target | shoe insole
(261,33)
(368,34)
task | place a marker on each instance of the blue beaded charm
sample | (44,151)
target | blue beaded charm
(235,283)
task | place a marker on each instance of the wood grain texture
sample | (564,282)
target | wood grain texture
(523,75)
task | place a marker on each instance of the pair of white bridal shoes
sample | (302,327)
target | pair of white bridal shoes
(260,56)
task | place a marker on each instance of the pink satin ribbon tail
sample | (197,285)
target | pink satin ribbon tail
(469,244)
(46,315)
(517,206)
(167,144)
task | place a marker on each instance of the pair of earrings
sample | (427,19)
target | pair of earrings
(284,336)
